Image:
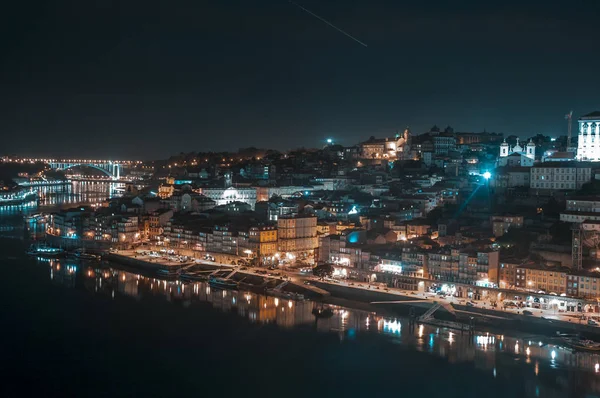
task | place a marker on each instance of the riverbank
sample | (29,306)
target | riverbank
(388,300)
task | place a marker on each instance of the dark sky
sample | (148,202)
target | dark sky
(145,79)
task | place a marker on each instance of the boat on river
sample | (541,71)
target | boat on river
(578,344)
(82,254)
(18,197)
(284,294)
(322,312)
(222,283)
(44,250)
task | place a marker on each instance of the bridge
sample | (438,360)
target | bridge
(111,168)
(108,167)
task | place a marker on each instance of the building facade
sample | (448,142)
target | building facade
(588,142)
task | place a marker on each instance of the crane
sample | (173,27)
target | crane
(569,117)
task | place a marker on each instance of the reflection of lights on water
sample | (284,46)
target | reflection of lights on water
(420,330)
(367,322)
(527,351)
(553,354)
(451,338)
(485,340)
(431,340)
(265,305)
(517,347)
(494,372)
(345,315)
(597,367)
(290,304)
(276,302)
(537,368)
(392,326)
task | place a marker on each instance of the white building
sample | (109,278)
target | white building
(517,155)
(580,209)
(560,176)
(223,196)
(588,143)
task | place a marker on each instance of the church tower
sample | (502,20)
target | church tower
(504,149)
(530,150)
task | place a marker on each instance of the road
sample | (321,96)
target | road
(295,276)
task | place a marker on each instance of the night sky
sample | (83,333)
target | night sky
(146,79)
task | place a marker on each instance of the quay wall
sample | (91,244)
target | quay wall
(134,262)
(357,294)
(72,244)
(537,324)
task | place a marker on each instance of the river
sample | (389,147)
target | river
(84,329)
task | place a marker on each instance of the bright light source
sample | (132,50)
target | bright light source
(329,140)
(487,175)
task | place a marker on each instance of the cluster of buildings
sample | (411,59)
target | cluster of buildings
(468,209)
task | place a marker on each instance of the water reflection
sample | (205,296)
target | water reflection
(78,192)
(550,369)
(54,197)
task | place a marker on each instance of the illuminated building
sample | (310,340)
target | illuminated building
(222,196)
(387,148)
(517,155)
(588,142)
(297,236)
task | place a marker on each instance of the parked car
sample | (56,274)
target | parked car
(527,312)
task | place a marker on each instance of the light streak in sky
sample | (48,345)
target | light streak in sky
(328,23)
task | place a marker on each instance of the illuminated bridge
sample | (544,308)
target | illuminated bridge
(109,167)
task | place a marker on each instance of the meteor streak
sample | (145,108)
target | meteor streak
(328,23)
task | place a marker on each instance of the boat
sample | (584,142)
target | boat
(17,197)
(44,251)
(81,254)
(579,344)
(169,271)
(193,277)
(222,283)
(322,312)
(283,294)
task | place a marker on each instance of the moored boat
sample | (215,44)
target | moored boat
(81,254)
(222,283)
(45,251)
(284,294)
(17,197)
(323,312)
(579,344)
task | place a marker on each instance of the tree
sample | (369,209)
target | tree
(590,188)
(323,270)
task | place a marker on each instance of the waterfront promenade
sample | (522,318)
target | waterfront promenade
(378,295)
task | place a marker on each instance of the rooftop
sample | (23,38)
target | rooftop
(592,115)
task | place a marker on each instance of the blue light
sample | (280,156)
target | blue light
(329,140)
(487,175)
